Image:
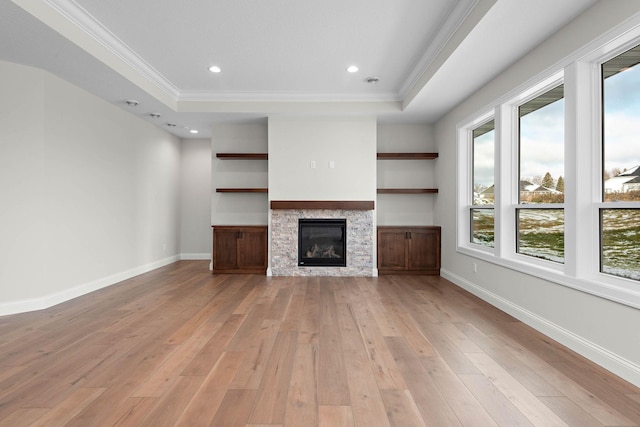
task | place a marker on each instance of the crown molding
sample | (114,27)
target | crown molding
(211,96)
(77,16)
(101,40)
(289,107)
(458,25)
(450,25)
(79,26)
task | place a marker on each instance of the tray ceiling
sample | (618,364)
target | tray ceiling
(280,56)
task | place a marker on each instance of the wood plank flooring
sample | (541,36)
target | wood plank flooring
(178,346)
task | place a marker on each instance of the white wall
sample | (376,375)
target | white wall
(350,143)
(21,182)
(239,208)
(598,328)
(406,209)
(93,192)
(195,196)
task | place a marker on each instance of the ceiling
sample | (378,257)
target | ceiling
(278,56)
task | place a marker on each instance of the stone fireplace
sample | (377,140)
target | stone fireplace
(359,238)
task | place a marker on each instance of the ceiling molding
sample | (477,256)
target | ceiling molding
(79,26)
(291,107)
(211,96)
(76,24)
(451,24)
(438,72)
(102,40)
(467,19)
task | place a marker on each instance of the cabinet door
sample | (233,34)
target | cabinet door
(252,249)
(424,249)
(392,248)
(225,249)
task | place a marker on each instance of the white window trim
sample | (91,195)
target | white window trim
(511,171)
(465,179)
(582,165)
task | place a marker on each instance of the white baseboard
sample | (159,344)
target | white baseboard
(195,256)
(47,301)
(620,366)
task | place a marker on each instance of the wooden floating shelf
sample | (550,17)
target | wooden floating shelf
(240,156)
(407,190)
(365,205)
(242,190)
(407,156)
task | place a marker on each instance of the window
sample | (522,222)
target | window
(553,173)
(482,211)
(619,215)
(540,213)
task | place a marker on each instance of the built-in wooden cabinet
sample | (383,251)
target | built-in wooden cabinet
(409,250)
(406,249)
(239,249)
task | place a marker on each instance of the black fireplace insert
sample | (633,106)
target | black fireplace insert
(322,242)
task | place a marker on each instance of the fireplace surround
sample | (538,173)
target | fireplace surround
(359,236)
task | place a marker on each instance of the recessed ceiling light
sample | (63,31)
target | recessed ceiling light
(193,131)
(352,69)
(171,125)
(154,115)
(372,80)
(131,102)
(215,69)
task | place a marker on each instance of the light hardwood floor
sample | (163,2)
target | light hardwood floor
(178,346)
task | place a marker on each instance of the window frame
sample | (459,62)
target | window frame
(465,192)
(599,203)
(580,74)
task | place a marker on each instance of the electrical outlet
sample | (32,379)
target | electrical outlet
(475,267)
